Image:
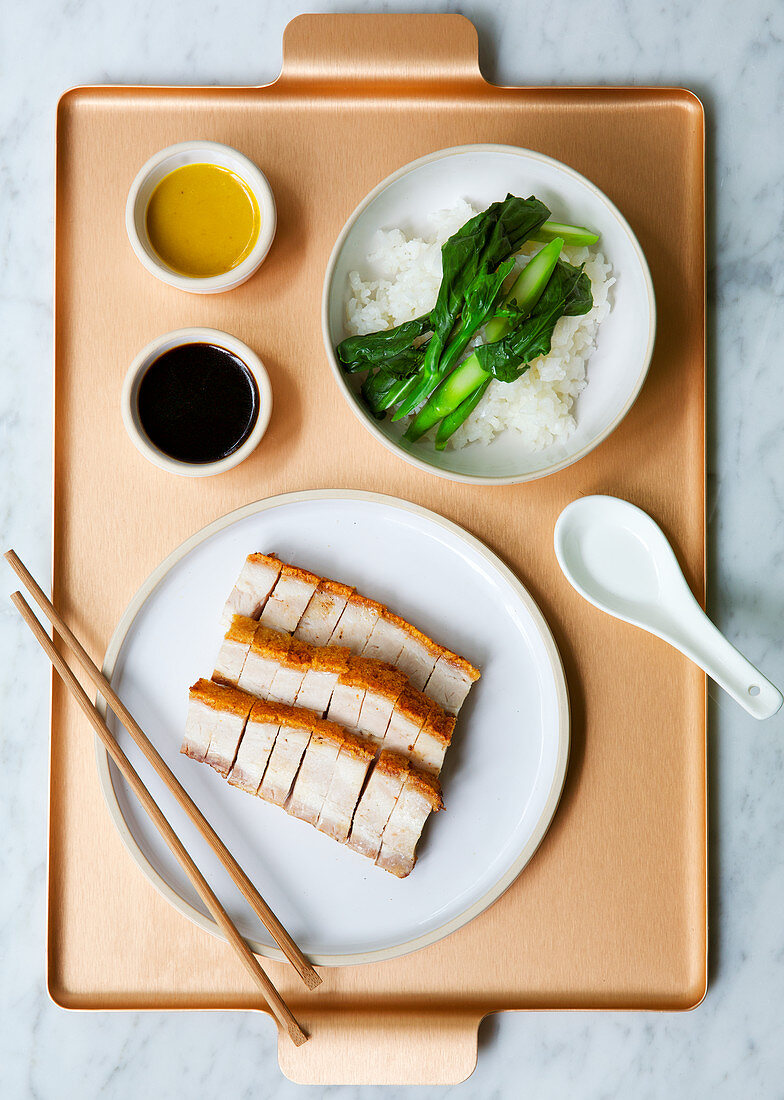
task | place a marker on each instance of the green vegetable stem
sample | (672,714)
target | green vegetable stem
(452,422)
(571,234)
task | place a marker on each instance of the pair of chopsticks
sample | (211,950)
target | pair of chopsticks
(309,976)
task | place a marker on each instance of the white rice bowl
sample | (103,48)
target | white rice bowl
(539,405)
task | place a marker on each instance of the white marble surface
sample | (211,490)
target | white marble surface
(732,55)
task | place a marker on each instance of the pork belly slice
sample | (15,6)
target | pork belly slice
(386,640)
(263,661)
(348,776)
(376,804)
(227,734)
(348,695)
(356,623)
(432,741)
(384,687)
(420,796)
(295,729)
(254,584)
(290,596)
(234,650)
(450,681)
(326,665)
(255,747)
(322,613)
(408,717)
(418,655)
(214,725)
(315,773)
(294,663)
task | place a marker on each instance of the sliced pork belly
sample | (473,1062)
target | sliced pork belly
(255,747)
(290,596)
(408,717)
(356,623)
(287,752)
(420,796)
(348,776)
(322,613)
(432,741)
(450,681)
(386,640)
(228,667)
(375,806)
(294,664)
(216,717)
(348,695)
(326,665)
(418,655)
(315,773)
(254,584)
(263,661)
(385,685)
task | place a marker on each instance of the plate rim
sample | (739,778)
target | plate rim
(369,424)
(528,850)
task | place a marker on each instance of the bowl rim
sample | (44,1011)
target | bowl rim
(138,368)
(210,152)
(366,420)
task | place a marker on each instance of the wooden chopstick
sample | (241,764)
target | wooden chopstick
(279,1007)
(282,938)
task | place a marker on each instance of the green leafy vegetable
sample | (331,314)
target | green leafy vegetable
(528,288)
(469,258)
(480,303)
(460,384)
(376,391)
(567,294)
(359,352)
(416,362)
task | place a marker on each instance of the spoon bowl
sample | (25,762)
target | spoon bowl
(620,560)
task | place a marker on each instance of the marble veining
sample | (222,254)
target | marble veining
(731,55)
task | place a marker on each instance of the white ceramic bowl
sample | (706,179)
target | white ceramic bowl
(198,152)
(482,174)
(129,401)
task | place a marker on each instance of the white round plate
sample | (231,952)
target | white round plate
(504,771)
(482,174)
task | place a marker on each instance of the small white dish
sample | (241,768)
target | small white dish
(198,152)
(129,403)
(482,174)
(503,774)
(620,560)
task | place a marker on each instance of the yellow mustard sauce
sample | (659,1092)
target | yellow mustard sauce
(202,220)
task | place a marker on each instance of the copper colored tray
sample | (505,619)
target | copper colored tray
(611,912)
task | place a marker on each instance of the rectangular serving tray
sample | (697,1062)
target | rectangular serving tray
(611,912)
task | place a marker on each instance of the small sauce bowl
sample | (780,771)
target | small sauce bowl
(177,156)
(155,350)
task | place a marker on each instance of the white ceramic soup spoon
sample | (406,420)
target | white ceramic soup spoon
(620,561)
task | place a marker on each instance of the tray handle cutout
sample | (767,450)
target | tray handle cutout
(378,1048)
(378,49)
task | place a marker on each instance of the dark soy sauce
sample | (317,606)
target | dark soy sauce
(198,403)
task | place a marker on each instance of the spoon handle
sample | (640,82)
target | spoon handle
(704,643)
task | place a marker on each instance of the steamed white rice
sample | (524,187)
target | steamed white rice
(540,405)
